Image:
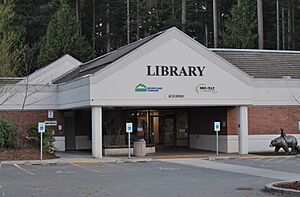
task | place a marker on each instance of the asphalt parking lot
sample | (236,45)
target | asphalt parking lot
(280,163)
(179,178)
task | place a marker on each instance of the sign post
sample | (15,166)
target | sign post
(41,130)
(217,128)
(129,130)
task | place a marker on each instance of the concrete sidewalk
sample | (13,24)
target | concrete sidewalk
(75,160)
(86,157)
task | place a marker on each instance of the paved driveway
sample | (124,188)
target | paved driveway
(146,179)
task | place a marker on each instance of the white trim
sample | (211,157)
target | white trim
(229,143)
(254,50)
(260,143)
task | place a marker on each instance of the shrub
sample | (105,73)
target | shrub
(8,134)
(34,138)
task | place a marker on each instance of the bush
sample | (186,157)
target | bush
(8,134)
(34,138)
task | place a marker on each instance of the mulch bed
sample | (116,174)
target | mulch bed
(23,154)
(292,185)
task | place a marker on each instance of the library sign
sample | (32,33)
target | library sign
(175,71)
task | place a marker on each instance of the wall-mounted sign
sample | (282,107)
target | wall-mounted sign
(143,88)
(202,88)
(175,71)
(50,113)
(50,122)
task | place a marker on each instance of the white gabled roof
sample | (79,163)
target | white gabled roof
(53,71)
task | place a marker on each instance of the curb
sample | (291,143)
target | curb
(31,162)
(210,158)
(290,192)
(250,156)
(75,160)
(117,160)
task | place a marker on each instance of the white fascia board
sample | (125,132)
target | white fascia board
(263,82)
(164,103)
(78,82)
(159,40)
(75,94)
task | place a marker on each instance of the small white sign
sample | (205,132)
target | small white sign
(41,127)
(129,127)
(50,113)
(217,126)
(299,125)
(50,122)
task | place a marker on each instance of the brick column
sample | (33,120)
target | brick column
(97,132)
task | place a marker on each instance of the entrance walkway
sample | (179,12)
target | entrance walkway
(74,154)
(173,153)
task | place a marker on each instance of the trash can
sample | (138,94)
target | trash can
(139,148)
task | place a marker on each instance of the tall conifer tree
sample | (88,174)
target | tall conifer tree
(11,42)
(241,26)
(62,38)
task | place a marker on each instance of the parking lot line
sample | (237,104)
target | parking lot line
(270,159)
(279,160)
(24,170)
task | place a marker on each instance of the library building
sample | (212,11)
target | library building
(171,88)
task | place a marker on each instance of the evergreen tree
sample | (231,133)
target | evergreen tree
(62,38)
(241,26)
(35,16)
(11,42)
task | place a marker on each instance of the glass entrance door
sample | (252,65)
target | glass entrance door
(167,131)
(169,128)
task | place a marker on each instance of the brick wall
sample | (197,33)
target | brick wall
(269,120)
(32,117)
(232,120)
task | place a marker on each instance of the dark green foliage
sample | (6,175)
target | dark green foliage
(35,139)
(8,133)
(241,26)
(11,41)
(62,38)
(35,16)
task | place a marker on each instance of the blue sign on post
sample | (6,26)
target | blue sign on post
(217,126)
(129,127)
(41,127)
(41,130)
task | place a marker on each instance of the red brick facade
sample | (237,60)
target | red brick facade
(269,120)
(32,117)
(232,120)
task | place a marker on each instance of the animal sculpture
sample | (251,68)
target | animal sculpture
(285,142)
